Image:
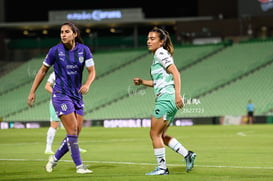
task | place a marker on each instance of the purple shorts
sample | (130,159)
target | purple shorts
(64,104)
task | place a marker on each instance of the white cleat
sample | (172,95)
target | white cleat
(50,164)
(82,169)
(159,171)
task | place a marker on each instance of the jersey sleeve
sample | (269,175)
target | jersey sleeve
(88,58)
(50,58)
(90,62)
(164,58)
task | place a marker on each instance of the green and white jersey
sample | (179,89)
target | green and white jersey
(163,81)
(51,79)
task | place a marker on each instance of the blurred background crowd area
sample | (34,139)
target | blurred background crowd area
(28,29)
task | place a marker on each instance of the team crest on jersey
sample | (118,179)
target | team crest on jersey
(81,59)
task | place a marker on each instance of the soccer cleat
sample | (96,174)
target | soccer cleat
(159,171)
(190,160)
(50,164)
(49,152)
(82,169)
(82,150)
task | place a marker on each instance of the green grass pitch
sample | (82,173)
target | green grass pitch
(223,153)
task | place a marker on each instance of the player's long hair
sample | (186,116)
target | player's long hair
(164,35)
(75,29)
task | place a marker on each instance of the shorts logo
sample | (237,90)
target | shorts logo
(157,111)
(64,107)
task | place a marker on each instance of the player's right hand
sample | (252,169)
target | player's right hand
(137,81)
(31,100)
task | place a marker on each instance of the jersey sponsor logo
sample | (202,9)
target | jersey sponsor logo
(71,66)
(166,60)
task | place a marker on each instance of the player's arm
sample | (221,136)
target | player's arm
(177,85)
(38,79)
(90,78)
(139,81)
(48,87)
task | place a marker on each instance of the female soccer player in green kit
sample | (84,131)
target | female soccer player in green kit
(167,85)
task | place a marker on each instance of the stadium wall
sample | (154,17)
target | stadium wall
(120,123)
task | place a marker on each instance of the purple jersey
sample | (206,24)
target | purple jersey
(68,68)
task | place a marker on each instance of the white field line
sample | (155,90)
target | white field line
(135,163)
(92,141)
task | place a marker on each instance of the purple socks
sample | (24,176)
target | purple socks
(70,142)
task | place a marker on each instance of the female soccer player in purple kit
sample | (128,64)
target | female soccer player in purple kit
(68,59)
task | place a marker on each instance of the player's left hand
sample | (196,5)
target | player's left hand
(31,99)
(179,102)
(84,89)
